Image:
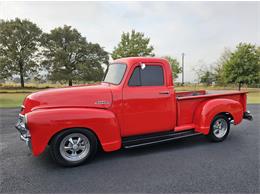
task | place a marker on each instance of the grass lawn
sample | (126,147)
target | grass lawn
(11,98)
(253,98)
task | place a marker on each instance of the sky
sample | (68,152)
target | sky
(200,30)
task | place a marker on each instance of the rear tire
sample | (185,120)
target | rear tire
(73,147)
(219,128)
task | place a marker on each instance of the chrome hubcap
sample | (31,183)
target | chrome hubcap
(220,128)
(74,147)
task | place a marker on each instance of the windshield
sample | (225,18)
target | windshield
(115,73)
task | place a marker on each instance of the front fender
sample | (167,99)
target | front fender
(44,124)
(207,110)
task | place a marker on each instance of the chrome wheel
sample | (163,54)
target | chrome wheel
(220,128)
(74,147)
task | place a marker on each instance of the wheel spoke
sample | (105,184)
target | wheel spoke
(71,140)
(67,148)
(81,147)
(79,139)
(73,153)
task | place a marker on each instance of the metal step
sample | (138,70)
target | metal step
(143,140)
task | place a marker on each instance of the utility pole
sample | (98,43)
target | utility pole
(182,62)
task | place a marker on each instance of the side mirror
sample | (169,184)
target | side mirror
(143,66)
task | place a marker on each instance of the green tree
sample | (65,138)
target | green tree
(69,57)
(243,65)
(207,77)
(133,44)
(19,46)
(175,65)
(205,73)
(218,70)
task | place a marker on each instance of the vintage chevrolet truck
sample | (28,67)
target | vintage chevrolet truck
(135,105)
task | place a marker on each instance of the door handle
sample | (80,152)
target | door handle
(164,92)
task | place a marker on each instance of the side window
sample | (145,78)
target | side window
(149,76)
(152,76)
(135,79)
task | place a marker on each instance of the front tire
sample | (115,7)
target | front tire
(73,147)
(219,128)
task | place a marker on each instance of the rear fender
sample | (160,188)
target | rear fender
(207,110)
(44,124)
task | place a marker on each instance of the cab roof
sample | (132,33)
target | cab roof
(133,60)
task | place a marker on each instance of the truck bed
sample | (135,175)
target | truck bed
(190,93)
(187,102)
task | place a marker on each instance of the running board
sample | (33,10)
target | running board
(143,140)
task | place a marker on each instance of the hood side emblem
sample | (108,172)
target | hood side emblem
(102,102)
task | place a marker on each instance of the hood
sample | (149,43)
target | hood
(93,96)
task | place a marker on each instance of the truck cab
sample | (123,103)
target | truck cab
(146,95)
(135,105)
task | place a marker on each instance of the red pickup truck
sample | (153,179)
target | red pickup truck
(135,105)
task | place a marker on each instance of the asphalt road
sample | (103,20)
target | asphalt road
(191,165)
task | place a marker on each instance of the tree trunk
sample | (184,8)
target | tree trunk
(70,82)
(21,74)
(239,85)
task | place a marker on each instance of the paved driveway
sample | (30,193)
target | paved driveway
(191,165)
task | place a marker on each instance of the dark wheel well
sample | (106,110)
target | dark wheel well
(228,115)
(99,144)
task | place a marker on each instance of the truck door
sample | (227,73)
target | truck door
(148,104)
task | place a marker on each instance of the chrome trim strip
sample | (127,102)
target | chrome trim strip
(102,102)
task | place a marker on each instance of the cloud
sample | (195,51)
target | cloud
(199,29)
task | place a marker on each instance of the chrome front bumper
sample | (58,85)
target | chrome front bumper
(24,131)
